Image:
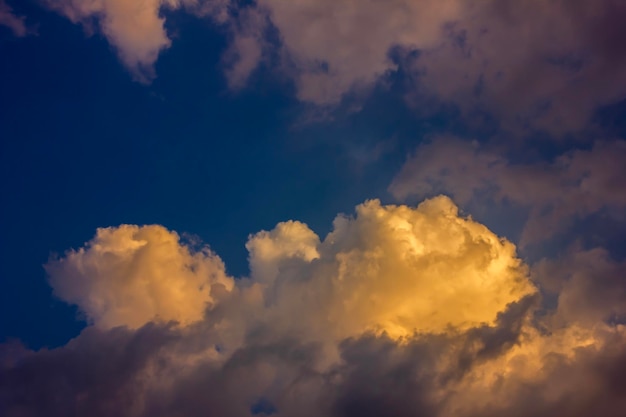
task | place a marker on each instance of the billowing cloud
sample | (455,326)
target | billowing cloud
(12,21)
(130,275)
(391,269)
(398,310)
(576,184)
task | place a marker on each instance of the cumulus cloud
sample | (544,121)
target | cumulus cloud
(537,63)
(130,275)
(12,21)
(398,310)
(391,269)
(574,185)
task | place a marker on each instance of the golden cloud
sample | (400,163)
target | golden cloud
(395,269)
(400,310)
(131,275)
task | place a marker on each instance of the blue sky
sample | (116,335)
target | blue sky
(221,119)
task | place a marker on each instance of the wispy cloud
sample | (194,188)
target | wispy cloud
(16,23)
(136,29)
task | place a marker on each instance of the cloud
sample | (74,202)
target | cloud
(12,21)
(547,65)
(574,185)
(533,64)
(130,275)
(247,46)
(589,285)
(536,64)
(398,310)
(391,269)
(136,29)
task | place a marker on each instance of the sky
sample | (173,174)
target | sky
(313,208)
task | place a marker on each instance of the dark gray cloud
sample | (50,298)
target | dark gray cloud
(152,371)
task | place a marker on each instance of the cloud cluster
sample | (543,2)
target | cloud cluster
(391,269)
(574,185)
(538,64)
(544,64)
(397,311)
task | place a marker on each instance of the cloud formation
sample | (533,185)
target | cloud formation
(589,285)
(390,269)
(398,310)
(533,64)
(548,65)
(130,275)
(574,185)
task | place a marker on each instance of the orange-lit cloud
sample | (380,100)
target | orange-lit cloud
(398,310)
(130,275)
(391,268)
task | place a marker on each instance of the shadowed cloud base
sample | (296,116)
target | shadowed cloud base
(399,310)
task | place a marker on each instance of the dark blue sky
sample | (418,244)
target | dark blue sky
(83,146)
